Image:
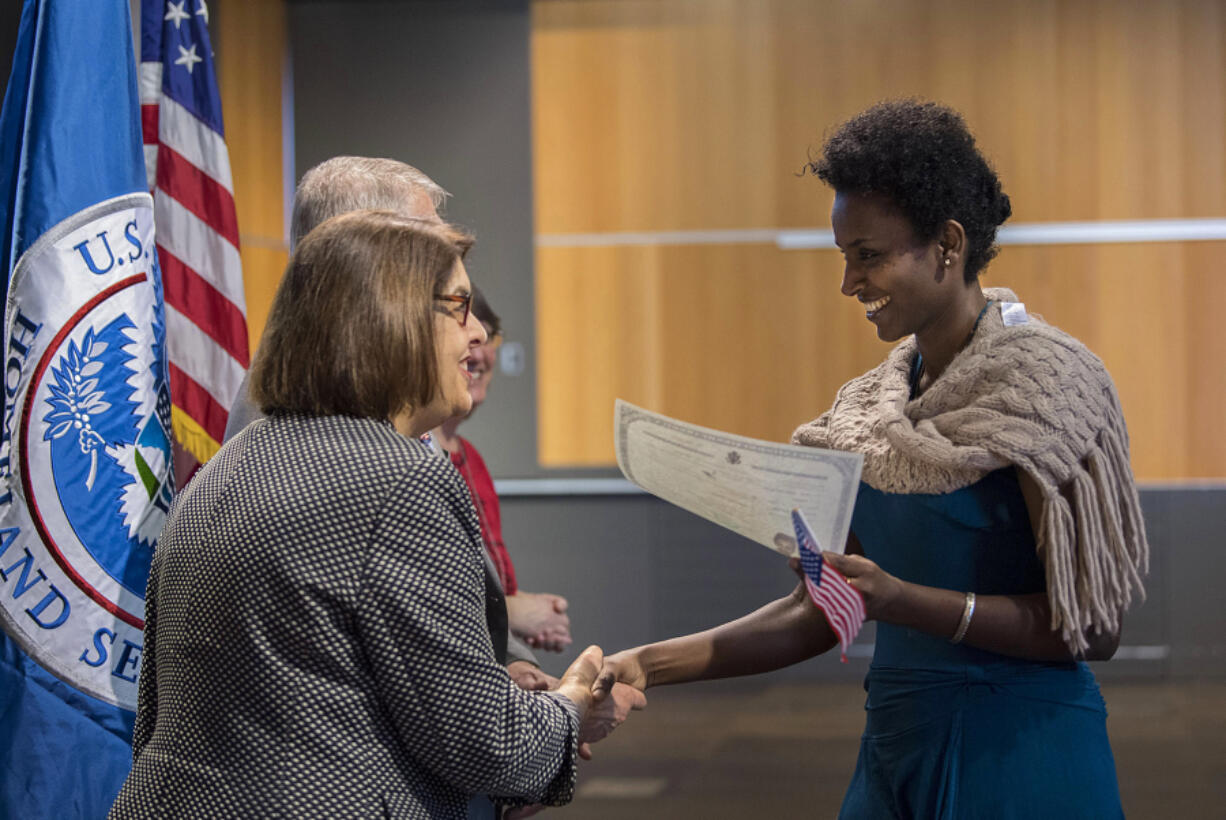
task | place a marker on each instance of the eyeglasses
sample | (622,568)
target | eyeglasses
(464,299)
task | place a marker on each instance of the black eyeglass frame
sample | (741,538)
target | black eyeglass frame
(465,299)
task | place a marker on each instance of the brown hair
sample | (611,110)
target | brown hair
(351,329)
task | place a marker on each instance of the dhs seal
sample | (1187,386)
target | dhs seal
(85,464)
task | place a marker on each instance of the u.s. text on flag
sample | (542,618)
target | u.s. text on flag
(838,600)
(197,230)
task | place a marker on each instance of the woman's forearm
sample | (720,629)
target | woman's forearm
(1015,625)
(779,634)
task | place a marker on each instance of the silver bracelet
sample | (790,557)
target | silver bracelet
(967,612)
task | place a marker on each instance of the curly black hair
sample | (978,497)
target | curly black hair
(923,157)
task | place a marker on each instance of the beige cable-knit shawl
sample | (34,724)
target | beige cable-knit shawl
(1030,396)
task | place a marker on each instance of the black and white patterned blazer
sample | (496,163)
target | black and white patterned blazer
(316,642)
(508,648)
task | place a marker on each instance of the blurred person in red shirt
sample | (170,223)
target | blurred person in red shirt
(537,618)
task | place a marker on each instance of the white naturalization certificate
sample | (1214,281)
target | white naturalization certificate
(746,485)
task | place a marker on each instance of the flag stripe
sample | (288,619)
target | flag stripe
(151,162)
(845,625)
(204,306)
(846,615)
(840,590)
(149,123)
(842,595)
(202,146)
(198,403)
(837,622)
(198,192)
(201,358)
(199,247)
(181,131)
(149,77)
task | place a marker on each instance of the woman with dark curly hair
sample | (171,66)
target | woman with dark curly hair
(997,535)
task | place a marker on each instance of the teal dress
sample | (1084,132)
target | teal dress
(958,732)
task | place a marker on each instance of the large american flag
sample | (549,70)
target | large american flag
(838,600)
(197,231)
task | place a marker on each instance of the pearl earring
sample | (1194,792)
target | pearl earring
(948,261)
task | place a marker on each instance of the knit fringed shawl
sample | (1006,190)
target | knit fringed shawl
(1030,396)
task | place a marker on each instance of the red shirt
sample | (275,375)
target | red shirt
(481,486)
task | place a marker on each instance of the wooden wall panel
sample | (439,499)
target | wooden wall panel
(755,340)
(251,48)
(1204,337)
(659,115)
(590,362)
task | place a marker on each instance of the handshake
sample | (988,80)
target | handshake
(594,684)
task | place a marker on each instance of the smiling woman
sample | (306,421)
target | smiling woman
(996,537)
(913,194)
(458,342)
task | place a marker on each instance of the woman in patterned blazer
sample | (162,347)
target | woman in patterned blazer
(315,628)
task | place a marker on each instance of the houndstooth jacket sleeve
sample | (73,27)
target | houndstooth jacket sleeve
(424,632)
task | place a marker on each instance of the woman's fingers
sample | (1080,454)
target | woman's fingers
(849,566)
(618,668)
(879,588)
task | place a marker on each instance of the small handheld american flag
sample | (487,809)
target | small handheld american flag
(838,600)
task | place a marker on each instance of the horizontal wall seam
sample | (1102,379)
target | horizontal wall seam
(620,486)
(1030,233)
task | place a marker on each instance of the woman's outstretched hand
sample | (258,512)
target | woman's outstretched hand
(622,667)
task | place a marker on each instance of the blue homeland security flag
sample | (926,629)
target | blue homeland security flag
(85,475)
